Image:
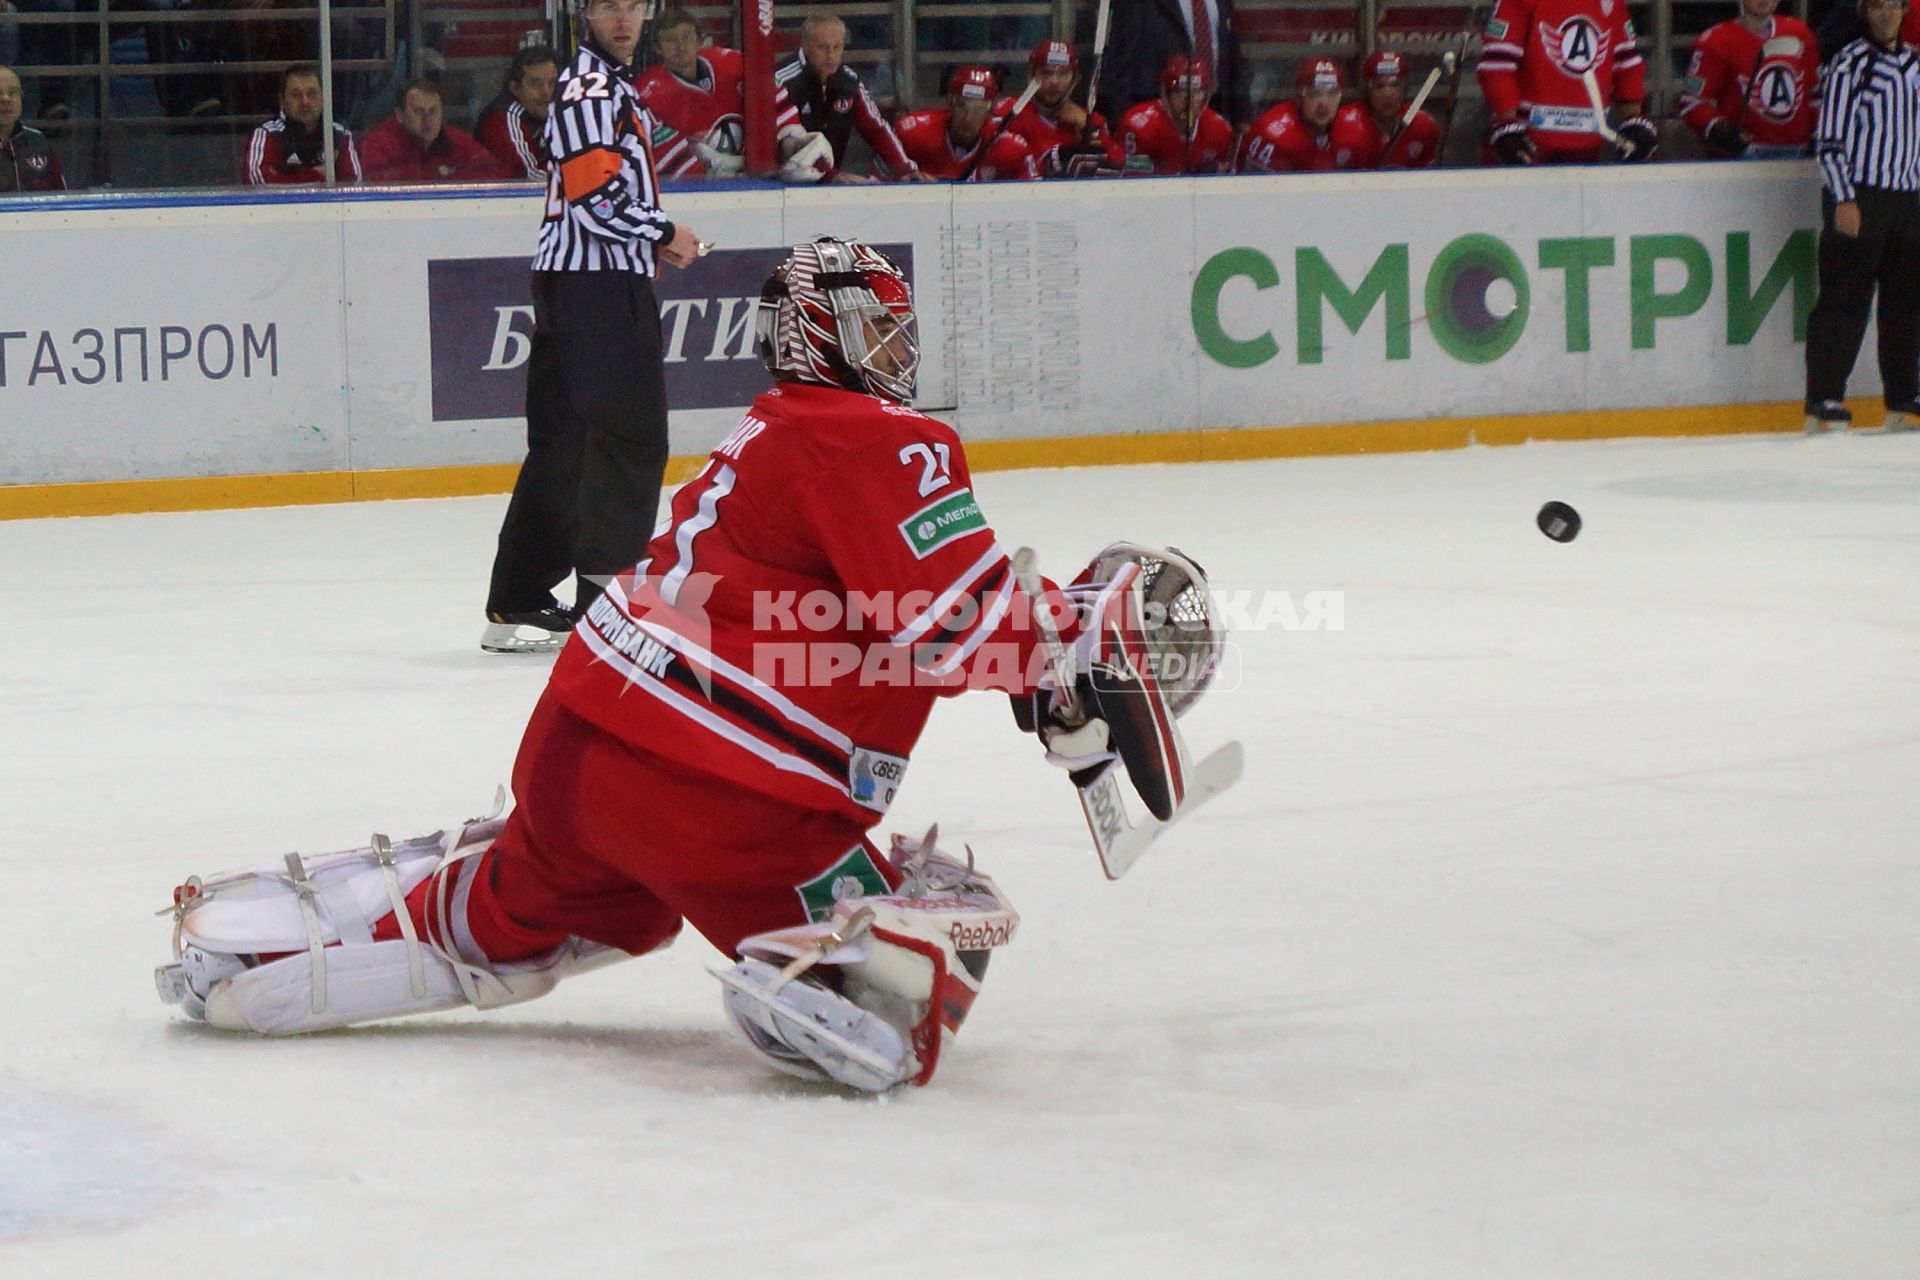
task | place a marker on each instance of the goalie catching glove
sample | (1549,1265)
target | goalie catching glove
(1147,648)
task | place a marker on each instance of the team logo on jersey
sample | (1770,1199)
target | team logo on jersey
(854,876)
(1576,46)
(842,105)
(1776,92)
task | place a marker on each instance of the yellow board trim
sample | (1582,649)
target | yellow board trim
(206,493)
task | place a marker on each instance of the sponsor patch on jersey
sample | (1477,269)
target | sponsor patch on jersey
(874,778)
(854,876)
(1694,85)
(1496,29)
(662,134)
(938,523)
(1561,119)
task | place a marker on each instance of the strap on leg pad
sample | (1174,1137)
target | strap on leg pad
(316,915)
(915,959)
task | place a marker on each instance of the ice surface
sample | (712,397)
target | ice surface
(1564,926)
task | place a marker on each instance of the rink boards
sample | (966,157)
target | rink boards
(239,350)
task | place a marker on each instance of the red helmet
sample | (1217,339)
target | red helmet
(1182,72)
(1053,53)
(839,313)
(977,84)
(1383,64)
(1319,73)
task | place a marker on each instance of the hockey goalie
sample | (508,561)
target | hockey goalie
(718,738)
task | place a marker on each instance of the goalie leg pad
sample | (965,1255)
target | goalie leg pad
(283,952)
(913,962)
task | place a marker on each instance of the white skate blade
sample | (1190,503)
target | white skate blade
(1897,424)
(505,637)
(1120,839)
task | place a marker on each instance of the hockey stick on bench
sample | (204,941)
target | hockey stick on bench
(1118,838)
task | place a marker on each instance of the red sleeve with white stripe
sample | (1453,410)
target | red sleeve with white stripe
(880,136)
(1505,44)
(923,539)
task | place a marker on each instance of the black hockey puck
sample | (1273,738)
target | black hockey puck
(1559,521)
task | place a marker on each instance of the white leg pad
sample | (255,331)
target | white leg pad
(316,918)
(375,981)
(805,1030)
(908,967)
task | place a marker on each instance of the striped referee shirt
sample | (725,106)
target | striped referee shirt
(1869,132)
(603,201)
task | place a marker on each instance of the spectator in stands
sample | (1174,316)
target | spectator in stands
(513,126)
(1145,33)
(1064,139)
(1752,85)
(286,149)
(27,163)
(1178,132)
(952,143)
(1371,130)
(1298,136)
(821,103)
(416,144)
(695,96)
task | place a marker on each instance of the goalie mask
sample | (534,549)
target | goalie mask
(839,313)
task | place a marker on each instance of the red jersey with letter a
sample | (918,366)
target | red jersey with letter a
(686,112)
(1149,130)
(1533,57)
(823,580)
(1358,133)
(1281,141)
(1044,132)
(1780,93)
(928,144)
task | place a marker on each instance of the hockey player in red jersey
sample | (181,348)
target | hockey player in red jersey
(1531,66)
(695,97)
(1178,132)
(954,143)
(1066,140)
(1297,136)
(1752,85)
(724,727)
(1365,128)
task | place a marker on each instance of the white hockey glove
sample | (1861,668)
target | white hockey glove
(812,162)
(720,164)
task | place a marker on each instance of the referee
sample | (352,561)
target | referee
(1869,150)
(587,495)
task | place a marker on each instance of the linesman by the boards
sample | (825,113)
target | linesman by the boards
(1868,144)
(588,493)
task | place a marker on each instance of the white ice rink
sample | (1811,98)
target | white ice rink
(1567,923)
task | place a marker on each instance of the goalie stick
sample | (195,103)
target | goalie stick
(1119,838)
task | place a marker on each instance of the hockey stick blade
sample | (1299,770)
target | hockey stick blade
(1121,840)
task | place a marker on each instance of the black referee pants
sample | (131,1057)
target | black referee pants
(1885,254)
(588,493)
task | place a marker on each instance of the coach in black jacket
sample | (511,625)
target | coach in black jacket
(1145,33)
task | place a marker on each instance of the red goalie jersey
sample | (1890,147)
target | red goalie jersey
(1532,61)
(1770,98)
(806,693)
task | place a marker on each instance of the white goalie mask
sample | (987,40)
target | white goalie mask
(840,313)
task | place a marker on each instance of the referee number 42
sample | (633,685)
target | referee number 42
(588,84)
